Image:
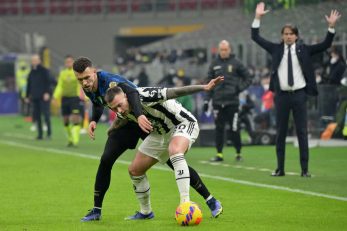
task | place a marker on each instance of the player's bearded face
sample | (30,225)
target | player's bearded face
(87,79)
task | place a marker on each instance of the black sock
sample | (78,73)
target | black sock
(102,183)
(197,184)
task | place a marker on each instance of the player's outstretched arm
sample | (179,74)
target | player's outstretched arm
(175,92)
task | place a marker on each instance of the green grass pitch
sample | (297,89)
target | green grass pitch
(47,186)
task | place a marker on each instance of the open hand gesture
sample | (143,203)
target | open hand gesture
(333,17)
(213,83)
(260,10)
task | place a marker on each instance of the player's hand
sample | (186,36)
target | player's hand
(332,18)
(55,102)
(144,124)
(213,83)
(46,97)
(260,10)
(91,129)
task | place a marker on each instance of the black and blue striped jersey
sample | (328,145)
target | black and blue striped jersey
(105,81)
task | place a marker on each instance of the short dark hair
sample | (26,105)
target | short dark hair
(292,27)
(111,93)
(68,56)
(81,64)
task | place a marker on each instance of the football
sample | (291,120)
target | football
(188,213)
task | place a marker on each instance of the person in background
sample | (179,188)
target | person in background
(142,78)
(68,90)
(292,80)
(22,75)
(225,97)
(38,93)
(337,67)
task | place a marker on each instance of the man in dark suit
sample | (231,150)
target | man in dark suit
(38,92)
(292,79)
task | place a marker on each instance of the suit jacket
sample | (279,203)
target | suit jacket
(303,52)
(38,82)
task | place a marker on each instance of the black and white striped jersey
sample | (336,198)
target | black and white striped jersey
(164,114)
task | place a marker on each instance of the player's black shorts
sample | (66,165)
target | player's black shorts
(71,105)
(127,136)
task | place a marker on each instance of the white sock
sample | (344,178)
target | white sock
(143,192)
(182,175)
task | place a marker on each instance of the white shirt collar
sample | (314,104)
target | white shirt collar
(292,47)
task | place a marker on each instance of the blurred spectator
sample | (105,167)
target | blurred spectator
(266,118)
(142,78)
(22,73)
(337,67)
(168,79)
(181,74)
(172,56)
(245,116)
(201,56)
(268,96)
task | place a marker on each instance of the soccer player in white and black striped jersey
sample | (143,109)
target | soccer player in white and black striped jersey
(174,130)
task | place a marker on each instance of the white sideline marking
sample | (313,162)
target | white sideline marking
(282,188)
(19,136)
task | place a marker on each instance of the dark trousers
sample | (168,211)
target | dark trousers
(286,102)
(42,107)
(222,116)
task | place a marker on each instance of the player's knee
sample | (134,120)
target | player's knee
(134,171)
(75,118)
(131,170)
(174,150)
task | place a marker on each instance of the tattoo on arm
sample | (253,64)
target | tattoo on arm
(176,92)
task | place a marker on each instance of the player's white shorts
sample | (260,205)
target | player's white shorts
(156,145)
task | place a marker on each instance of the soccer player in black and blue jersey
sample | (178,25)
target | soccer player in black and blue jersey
(95,84)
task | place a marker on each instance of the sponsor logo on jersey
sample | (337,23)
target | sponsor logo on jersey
(112,84)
